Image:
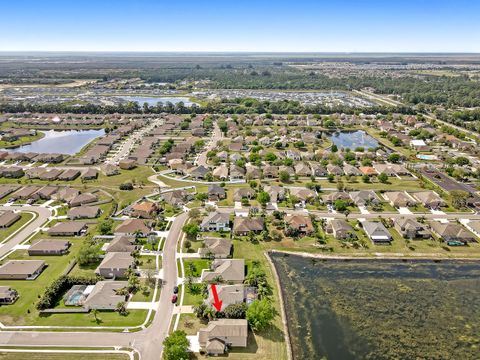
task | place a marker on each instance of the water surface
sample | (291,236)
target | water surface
(61,142)
(375,309)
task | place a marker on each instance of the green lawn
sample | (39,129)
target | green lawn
(147,262)
(198,265)
(190,324)
(24,219)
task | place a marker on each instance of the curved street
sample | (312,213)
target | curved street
(43,214)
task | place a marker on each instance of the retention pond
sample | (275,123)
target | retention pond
(381,309)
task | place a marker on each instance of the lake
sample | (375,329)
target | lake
(154,100)
(381,309)
(62,142)
(353,139)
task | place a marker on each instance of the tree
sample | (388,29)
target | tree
(394,158)
(260,314)
(235,311)
(263,198)
(89,253)
(121,308)
(191,230)
(383,178)
(105,227)
(340,205)
(95,315)
(284,176)
(459,198)
(175,346)
(334,148)
(270,157)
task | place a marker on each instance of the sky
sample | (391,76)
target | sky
(241,25)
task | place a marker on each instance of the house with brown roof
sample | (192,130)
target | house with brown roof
(133,227)
(69,175)
(364,197)
(243,193)
(277,193)
(127,164)
(82,199)
(25,192)
(68,228)
(8,218)
(49,247)
(115,265)
(84,212)
(300,223)
(144,210)
(21,269)
(429,199)
(399,199)
(90,174)
(216,193)
(50,175)
(341,229)
(220,172)
(46,192)
(221,334)
(411,228)
(218,248)
(230,270)
(6,190)
(245,225)
(122,243)
(452,233)
(65,194)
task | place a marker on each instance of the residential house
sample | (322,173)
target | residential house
(49,247)
(300,223)
(399,199)
(7,295)
(341,229)
(106,295)
(217,248)
(429,199)
(82,199)
(241,193)
(229,270)
(84,212)
(122,243)
(364,197)
(377,232)
(452,233)
(144,210)
(68,228)
(216,221)
(133,227)
(411,228)
(8,218)
(21,269)
(245,225)
(216,193)
(227,294)
(115,265)
(222,334)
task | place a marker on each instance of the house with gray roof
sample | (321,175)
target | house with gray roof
(410,228)
(7,295)
(221,334)
(106,295)
(216,221)
(377,232)
(49,247)
(115,265)
(230,270)
(217,248)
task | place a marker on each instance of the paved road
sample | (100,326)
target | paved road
(216,136)
(42,216)
(148,342)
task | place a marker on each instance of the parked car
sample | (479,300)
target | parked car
(174,298)
(175,289)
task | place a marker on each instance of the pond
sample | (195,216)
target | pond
(62,142)
(154,100)
(381,309)
(353,139)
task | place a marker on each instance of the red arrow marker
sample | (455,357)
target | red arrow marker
(217,303)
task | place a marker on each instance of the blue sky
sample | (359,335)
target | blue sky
(241,25)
